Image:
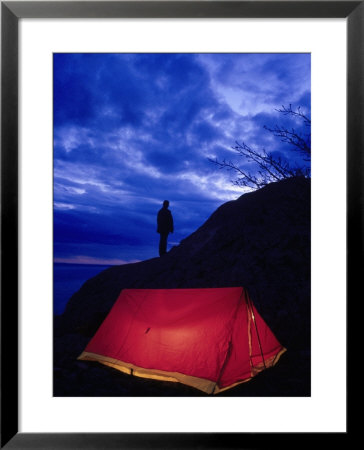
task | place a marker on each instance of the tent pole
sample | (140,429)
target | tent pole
(256,328)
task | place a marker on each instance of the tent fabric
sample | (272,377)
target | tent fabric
(211,338)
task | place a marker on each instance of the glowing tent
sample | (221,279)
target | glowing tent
(211,339)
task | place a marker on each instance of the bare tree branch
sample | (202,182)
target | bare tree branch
(298,113)
(271,168)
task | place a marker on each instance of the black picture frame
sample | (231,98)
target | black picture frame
(11,12)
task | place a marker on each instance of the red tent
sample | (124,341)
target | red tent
(211,339)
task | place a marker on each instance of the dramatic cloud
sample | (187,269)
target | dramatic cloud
(131,130)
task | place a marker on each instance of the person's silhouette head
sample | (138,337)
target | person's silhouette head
(165,204)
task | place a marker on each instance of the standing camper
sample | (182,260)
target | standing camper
(165,226)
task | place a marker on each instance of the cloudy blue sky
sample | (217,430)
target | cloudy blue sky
(131,130)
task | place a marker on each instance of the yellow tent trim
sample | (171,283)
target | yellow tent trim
(208,386)
(130,369)
(270,362)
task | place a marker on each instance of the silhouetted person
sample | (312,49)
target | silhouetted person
(165,226)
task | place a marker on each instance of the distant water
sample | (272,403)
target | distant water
(67,279)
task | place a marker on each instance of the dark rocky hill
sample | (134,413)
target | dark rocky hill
(260,241)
